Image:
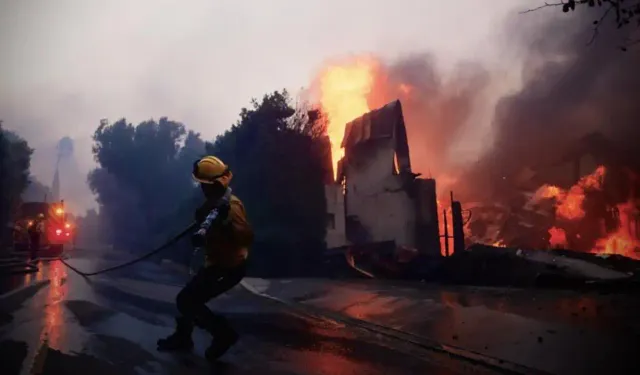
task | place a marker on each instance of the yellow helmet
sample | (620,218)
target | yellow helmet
(210,169)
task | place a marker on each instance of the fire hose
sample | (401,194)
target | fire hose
(136,260)
(198,240)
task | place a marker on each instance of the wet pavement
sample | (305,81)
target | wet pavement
(61,323)
(557,332)
(18,270)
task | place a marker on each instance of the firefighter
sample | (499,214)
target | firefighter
(18,234)
(35,233)
(226,245)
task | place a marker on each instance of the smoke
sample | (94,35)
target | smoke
(440,106)
(65,148)
(437,108)
(73,187)
(472,137)
(570,89)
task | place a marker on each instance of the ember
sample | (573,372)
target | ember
(558,237)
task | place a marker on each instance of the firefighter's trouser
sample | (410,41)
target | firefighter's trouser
(34,245)
(208,283)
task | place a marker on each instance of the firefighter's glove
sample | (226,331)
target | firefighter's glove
(222,218)
(202,212)
(198,239)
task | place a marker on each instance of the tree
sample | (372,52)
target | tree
(15,159)
(91,228)
(36,191)
(278,158)
(622,13)
(143,177)
(277,153)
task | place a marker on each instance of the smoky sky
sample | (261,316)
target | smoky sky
(437,107)
(67,64)
(467,129)
(571,87)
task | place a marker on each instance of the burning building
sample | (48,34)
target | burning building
(584,200)
(377,199)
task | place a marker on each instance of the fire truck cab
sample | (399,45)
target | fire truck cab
(58,231)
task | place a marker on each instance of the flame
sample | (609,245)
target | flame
(550,191)
(557,237)
(624,241)
(499,243)
(569,203)
(344,90)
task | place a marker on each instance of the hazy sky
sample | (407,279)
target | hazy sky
(65,64)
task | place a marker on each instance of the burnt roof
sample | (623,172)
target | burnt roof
(378,124)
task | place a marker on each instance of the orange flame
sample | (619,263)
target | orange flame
(569,203)
(344,90)
(499,243)
(623,241)
(558,237)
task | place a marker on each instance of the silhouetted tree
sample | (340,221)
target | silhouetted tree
(278,155)
(36,191)
(91,229)
(278,158)
(15,159)
(143,176)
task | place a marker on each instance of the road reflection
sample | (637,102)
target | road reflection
(54,329)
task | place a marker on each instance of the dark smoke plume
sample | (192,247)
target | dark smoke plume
(571,88)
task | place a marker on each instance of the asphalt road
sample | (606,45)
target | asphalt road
(539,329)
(62,323)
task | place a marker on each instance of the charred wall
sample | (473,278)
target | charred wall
(378,208)
(383,201)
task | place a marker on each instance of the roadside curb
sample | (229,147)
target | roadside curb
(423,342)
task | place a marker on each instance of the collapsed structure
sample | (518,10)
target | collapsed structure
(377,200)
(571,201)
(382,216)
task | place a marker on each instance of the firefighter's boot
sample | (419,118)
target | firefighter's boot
(180,340)
(224,337)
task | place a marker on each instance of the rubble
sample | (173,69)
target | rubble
(383,220)
(500,266)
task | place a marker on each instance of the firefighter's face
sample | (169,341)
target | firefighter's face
(213,191)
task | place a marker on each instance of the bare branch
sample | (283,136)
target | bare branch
(546,5)
(598,23)
(627,13)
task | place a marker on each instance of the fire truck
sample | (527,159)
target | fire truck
(58,229)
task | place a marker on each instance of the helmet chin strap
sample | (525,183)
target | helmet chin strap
(226,197)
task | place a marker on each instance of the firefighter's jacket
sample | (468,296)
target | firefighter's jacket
(229,239)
